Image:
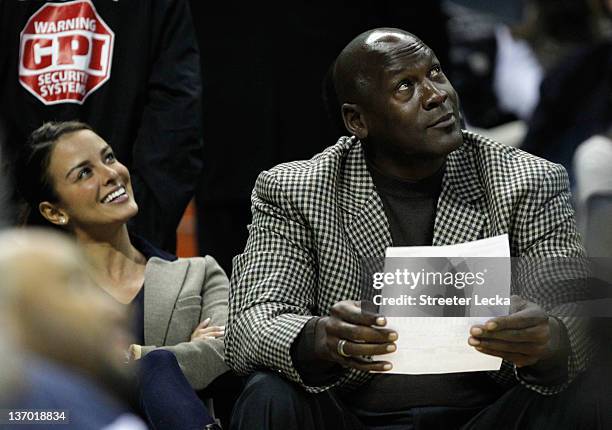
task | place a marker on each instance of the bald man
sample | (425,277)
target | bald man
(408,175)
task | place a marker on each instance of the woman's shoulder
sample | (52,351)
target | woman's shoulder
(206,264)
(201,274)
(207,260)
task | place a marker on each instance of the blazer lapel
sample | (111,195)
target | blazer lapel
(163,282)
(366,225)
(460,215)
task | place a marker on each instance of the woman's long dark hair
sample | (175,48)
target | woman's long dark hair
(32,173)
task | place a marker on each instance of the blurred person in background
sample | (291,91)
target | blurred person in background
(130,68)
(552,69)
(575,100)
(71,179)
(500,62)
(63,339)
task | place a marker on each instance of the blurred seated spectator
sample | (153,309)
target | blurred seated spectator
(70,179)
(62,336)
(593,200)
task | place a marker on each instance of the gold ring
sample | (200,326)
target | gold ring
(340,348)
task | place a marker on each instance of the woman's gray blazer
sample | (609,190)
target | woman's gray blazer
(178,295)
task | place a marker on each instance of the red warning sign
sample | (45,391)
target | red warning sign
(65,52)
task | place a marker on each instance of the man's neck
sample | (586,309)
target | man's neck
(409,170)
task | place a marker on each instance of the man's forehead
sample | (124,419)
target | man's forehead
(393,49)
(385,40)
(378,37)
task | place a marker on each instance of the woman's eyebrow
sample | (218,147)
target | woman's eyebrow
(86,162)
(81,164)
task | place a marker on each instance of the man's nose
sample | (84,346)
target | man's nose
(433,96)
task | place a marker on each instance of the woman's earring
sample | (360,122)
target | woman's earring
(62,220)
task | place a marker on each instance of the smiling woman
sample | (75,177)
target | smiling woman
(92,187)
(70,179)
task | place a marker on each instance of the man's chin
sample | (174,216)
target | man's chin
(449,142)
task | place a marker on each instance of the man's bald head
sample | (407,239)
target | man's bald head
(394,97)
(29,258)
(359,62)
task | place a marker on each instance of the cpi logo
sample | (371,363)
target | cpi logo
(65,52)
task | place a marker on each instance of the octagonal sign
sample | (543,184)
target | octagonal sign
(65,52)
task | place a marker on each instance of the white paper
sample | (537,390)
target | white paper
(435,345)
(496,246)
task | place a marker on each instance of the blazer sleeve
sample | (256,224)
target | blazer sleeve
(202,360)
(553,271)
(273,285)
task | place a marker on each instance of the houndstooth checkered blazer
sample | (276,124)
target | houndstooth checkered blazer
(315,220)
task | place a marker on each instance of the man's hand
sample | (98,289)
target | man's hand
(359,332)
(524,337)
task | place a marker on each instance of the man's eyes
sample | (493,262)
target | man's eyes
(435,71)
(405,86)
(109,158)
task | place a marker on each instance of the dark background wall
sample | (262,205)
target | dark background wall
(262,69)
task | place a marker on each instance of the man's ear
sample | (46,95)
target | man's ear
(352,114)
(53,214)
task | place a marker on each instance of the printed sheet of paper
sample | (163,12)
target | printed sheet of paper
(438,344)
